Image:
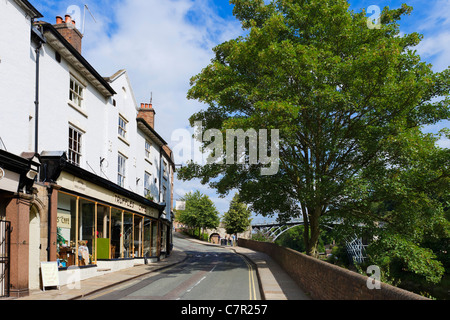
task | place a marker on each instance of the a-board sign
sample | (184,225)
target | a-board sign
(49,272)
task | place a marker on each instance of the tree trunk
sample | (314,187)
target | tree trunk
(312,231)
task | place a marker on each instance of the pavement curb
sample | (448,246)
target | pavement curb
(129,279)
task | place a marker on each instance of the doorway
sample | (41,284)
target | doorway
(34,248)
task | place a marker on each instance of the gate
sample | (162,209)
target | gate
(5,240)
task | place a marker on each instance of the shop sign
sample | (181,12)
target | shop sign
(71,182)
(49,273)
(122,201)
(9,180)
(63,220)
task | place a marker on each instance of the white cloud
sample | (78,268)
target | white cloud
(437,48)
(444,143)
(162,44)
(161,49)
(434,24)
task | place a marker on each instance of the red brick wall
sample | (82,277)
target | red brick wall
(71,34)
(325,281)
(148,114)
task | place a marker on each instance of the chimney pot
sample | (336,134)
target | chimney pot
(148,114)
(146,106)
(67,28)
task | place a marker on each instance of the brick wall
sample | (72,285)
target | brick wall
(69,31)
(147,113)
(325,281)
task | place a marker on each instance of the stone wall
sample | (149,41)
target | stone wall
(325,281)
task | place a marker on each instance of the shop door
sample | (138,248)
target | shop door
(5,240)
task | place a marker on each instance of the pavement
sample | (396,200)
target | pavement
(275,283)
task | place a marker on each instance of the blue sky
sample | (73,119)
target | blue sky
(163,43)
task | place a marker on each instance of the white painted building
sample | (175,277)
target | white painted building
(98,148)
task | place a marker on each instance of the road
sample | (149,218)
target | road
(208,273)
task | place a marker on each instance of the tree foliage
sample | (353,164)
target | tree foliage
(238,218)
(349,102)
(200,212)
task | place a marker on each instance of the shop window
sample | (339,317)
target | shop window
(137,236)
(66,230)
(86,233)
(116,233)
(154,249)
(103,238)
(127,235)
(147,237)
(164,238)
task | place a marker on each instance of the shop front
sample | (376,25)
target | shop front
(89,231)
(17,175)
(101,227)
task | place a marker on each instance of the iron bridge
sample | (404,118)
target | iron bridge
(356,250)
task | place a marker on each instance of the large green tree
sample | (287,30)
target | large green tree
(238,218)
(340,93)
(200,212)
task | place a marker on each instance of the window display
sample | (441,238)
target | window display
(127,235)
(88,231)
(66,230)
(137,236)
(154,239)
(147,237)
(103,240)
(116,233)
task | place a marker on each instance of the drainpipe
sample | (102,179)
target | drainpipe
(160,172)
(49,221)
(36,102)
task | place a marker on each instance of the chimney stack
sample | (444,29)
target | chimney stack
(148,114)
(67,28)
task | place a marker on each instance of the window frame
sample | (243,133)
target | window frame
(148,149)
(79,94)
(147,184)
(75,154)
(122,129)
(121,174)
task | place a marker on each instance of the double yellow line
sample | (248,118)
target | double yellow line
(251,279)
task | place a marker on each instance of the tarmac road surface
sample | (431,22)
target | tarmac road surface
(208,273)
